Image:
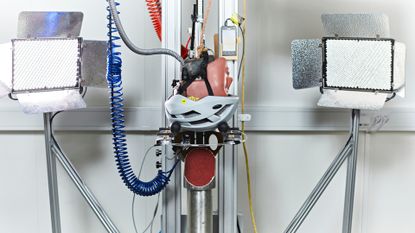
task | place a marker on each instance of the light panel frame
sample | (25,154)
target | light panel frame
(324,64)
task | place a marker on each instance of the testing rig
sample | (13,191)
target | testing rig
(198,106)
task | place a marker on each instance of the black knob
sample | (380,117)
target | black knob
(175,127)
(223,127)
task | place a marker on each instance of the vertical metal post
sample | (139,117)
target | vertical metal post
(52,176)
(227,190)
(200,218)
(351,174)
(172,198)
(228,160)
(226,9)
(171,39)
(199,24)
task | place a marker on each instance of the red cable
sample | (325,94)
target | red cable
(154,9)
(188,42)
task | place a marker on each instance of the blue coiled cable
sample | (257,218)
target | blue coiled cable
(114,80)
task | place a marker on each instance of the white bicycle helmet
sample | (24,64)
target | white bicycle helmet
(202,115)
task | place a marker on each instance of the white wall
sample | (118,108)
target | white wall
(285,164)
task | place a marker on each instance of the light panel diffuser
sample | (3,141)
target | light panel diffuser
(352,99)
(363,64)
(51,101)
(45,64)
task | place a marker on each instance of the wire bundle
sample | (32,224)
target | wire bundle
(114,80)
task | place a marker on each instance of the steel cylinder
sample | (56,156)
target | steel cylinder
(200,216)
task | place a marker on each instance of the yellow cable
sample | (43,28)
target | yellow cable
(248,172)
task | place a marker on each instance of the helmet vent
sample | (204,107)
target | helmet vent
(191,114)
(216,107)
(200,122)
(222,110)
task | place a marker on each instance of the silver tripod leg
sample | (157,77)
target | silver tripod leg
(52,176)
(350,148)
(351,175)
(84,190)
(53,151)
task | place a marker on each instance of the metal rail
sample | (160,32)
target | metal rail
(52,176)
(351,175)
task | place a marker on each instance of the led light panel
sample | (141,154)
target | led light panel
(359,64)
(45,64)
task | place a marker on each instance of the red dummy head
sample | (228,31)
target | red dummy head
(218,76)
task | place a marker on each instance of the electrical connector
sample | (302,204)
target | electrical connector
(237,19)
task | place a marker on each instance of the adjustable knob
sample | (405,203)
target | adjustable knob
(175,127)
(223,127)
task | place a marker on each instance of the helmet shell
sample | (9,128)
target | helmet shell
(202,115)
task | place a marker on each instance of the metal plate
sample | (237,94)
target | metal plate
(94,63)
(50,101)
(399,68)
(307,63)
(356,25)
(352,100)
(4,90)
(5,69)
(49,24)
